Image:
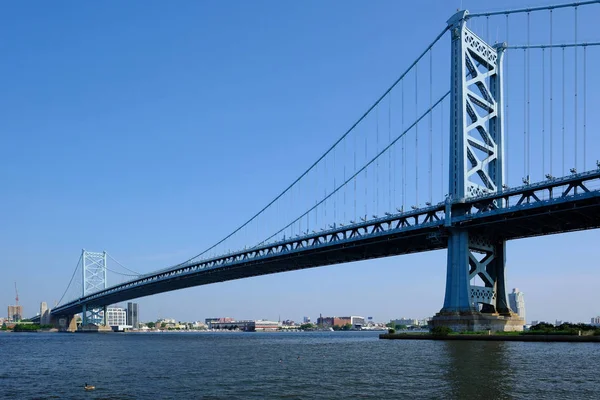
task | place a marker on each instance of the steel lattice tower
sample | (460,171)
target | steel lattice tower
(476,168)
(94,279)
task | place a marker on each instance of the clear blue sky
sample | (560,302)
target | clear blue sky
(151,129)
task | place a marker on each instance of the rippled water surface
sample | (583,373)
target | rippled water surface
(319,365)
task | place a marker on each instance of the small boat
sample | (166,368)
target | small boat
(89,387)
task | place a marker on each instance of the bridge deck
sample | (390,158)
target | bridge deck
(546,208)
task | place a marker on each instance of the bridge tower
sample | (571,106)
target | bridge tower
(476,167)
(94,279)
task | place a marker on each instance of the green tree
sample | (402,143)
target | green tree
(307,326)
(151,325)
(163,325)
(401,327)
(347,327)
(336,327)
(441,331)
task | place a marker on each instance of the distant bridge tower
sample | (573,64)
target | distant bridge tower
(476,167)
(94,280)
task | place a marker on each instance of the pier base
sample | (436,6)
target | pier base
(65,323)
(89,328)
(477,322)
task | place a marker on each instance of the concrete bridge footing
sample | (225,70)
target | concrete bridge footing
(473,321)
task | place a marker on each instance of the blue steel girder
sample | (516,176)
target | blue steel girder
(417,230)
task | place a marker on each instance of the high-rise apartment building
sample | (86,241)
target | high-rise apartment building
(132,315)
(15,313)
(44,314)
(516,301)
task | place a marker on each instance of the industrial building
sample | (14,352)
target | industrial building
(328,322)
(244,325)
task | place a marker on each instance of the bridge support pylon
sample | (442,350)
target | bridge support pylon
(93,319)
(476,168)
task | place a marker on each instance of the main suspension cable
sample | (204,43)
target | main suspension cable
(71,280)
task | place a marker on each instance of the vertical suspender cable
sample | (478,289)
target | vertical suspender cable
(584,106)
(563,111)
(355,176)
(403,154)
(543,112)
(376,199)
(551,101)
(507,151)
(442,151)
(528,99)
(345,186)
(366,178)
(317,191)
(430,126)
(390,209)
(335,196)
(524,114)
(417,134)
(325,203)
(575,115)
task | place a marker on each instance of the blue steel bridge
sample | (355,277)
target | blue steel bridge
(473,145)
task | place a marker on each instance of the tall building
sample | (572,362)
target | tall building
(44,314)
(516,301)
(15,313)
(132,315)
(596,321)
(116,316)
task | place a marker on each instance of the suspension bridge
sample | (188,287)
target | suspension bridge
(476,143)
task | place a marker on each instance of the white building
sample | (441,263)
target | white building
(357,322)
(405,321)
(596,321)
(116,316)
(516,301)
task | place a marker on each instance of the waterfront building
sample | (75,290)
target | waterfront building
(133,315)
(405,321)
(596,321)
(516,302)
(266,326)
(218,323)
(15,313)
(328,322)
(357,322)
(116,316)
(306,320)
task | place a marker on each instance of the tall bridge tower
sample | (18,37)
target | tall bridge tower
(94,279)
(476,167)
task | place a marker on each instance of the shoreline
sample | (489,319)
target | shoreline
(500,338)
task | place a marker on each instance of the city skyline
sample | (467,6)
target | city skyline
(160,130)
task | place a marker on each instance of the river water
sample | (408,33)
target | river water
(314,365)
